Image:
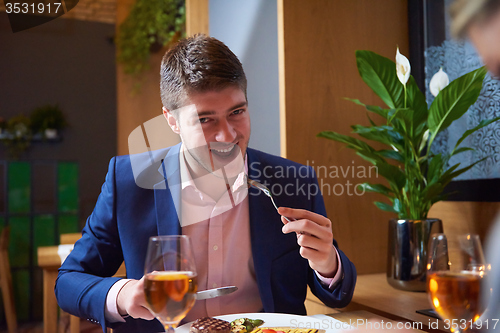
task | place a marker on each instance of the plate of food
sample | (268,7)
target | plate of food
(261,323)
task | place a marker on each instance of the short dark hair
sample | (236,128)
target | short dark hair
(198,64)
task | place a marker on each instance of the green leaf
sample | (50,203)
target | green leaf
(461,150)
(362,148)
(398,206)
(446,177)
(392,154)
(377,188)
(405,116)
(483,123)
(385,207)
(379,73)
(454,100)
(431,191)
(372,108)
(450,174)
(384,113)
(421,129)
(367,156)
(393,174)
(436,166)
(460,171)
(355,101)
(416,102)
(355,143)
(441,197)
(383,134)
(370,120)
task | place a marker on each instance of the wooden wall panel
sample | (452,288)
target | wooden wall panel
(465,217)
(318,69)
(137,106)
(197,18)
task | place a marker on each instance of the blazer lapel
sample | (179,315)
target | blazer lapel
(167,194)
(260,240)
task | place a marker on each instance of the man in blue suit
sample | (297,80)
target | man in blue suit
(199,188)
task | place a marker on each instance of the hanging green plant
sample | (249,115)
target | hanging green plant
(18,135)
(47,119)
(151,25)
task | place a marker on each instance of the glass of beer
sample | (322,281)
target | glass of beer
(170,279)
(455,279)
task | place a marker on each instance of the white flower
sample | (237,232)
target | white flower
(438,82)
(403,67)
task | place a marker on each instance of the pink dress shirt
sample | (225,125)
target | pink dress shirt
(220,230)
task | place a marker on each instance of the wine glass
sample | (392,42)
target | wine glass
(454,286)
(170,279)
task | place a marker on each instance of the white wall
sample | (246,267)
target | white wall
(249,29)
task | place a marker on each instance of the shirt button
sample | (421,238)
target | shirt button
(215,247)
(214,285)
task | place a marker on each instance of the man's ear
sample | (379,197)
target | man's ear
(172,122)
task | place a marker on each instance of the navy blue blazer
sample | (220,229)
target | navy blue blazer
(126,215)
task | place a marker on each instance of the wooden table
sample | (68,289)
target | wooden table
(373,298)
(49,261)
(361,317)
(374,294)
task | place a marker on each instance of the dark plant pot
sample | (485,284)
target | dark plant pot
(407,252)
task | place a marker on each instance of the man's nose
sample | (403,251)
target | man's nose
(225,132)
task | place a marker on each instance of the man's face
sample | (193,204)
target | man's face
(486,38)
(214,127)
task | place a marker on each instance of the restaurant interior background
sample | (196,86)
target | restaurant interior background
(300,64)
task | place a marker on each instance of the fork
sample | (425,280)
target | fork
(266,191)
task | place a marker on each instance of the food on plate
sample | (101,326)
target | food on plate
(286,330)
(245,325)
(239,329)
(210,325)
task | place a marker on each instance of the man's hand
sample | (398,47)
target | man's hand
(314,235)
(132,301)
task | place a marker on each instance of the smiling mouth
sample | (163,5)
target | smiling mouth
(225,153)
(227,150)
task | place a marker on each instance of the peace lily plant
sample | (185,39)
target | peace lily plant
(416,177)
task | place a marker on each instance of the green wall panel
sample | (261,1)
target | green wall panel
(19,247)
(43,233)
(67,177)
(19,185)
(31,228)
(68,224)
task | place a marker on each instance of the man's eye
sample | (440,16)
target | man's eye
(203,120)
(239,111)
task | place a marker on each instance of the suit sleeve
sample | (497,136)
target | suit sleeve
(342,293)
(85,276)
